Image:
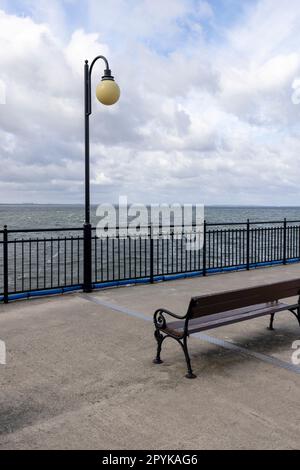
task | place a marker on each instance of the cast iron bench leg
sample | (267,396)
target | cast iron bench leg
(159,338)
(190,374)
(271,328)
(296,314)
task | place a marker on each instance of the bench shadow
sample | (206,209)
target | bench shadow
(207,356)
(262,341)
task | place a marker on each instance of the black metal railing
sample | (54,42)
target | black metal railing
(42,260)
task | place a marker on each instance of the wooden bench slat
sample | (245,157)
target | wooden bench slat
(247,291)
(224,301)
(229,317)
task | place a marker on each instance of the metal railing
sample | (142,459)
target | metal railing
(39,261)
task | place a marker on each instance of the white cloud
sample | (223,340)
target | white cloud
(198,120)
(205,10)
(2,92)
(83,46)
(296,92)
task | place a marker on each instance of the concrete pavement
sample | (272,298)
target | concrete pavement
(79,373)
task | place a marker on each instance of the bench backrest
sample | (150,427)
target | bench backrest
(230,300)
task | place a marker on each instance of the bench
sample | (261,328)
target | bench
(214,310)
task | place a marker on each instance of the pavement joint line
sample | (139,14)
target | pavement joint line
(115,307)
(204,337)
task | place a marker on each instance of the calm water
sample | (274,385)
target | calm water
(58,216)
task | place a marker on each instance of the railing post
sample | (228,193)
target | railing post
(151,255)
(87,258)
(204,248)
(284,242)
(5,264)
(248,245)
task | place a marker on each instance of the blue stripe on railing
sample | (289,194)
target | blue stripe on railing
(40,293)
(146,280)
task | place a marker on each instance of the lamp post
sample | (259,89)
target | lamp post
(108,93)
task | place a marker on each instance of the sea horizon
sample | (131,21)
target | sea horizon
(26,216)
(147,204)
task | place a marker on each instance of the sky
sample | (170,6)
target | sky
(209,111)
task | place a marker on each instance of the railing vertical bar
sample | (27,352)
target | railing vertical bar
(172,248)
(241,261)
(231,257)
(15,265)
(190,269)
(163,254)
(204,249)
(78,259)
(195,241)
(221,246)
(271,244)
(129,255)
(232,247)
(29,264)
(260,234)
(124,257)
(181,250)
(225,248)
(113,258)
(256,243)
(119,257)
(151,255)
(101,258)
(284,241)
(167,256)
(5,264)
(58,262)
(157,266)
(177,252)
(140,253)
(22,245)
(72,267)
(145,256)
(37,264)
(107,258)
(208,257)
(217,248)
(51,254)
(65,260)
(96,258)
(45,260)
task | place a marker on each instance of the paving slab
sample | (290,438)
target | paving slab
(79,373)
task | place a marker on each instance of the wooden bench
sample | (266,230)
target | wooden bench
(214,310)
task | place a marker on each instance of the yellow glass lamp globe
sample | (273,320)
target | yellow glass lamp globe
(108,92)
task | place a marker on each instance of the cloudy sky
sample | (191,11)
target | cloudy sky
(209,109)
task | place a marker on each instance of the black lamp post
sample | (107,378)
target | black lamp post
(107,93)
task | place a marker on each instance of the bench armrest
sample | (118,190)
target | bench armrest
(159,319)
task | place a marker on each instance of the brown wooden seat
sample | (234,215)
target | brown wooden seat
(215,310)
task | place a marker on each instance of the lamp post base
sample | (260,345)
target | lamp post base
(87,258)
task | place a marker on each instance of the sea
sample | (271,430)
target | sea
(50,259)
(37,216)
